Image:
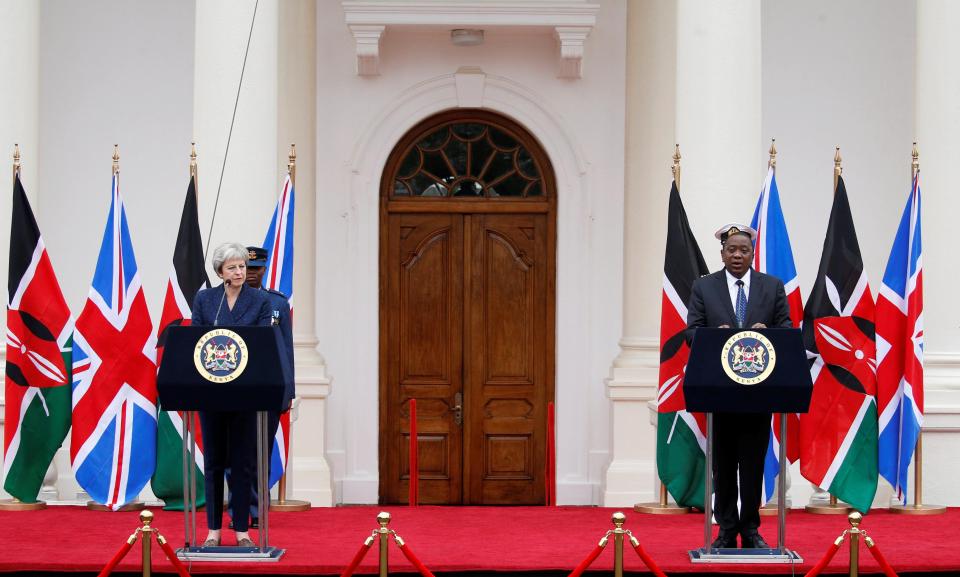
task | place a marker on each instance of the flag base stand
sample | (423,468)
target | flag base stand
(769,511)
(828,509)
(918,509)
(18,505)
(658,509)
(132,506)
(772,555)
(290,505)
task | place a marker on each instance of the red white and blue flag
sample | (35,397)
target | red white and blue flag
(772,255)
(114,438)
(899,320)
(279,277)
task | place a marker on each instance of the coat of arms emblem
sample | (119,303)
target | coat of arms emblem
(748,357)
(220,355)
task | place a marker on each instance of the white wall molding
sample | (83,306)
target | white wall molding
(571,21)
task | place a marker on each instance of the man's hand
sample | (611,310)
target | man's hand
(758,326)
(724,327)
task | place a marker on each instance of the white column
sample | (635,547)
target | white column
(19,99)
(718,116)
(276,108)
(308,476)
(937,127)
(651,99)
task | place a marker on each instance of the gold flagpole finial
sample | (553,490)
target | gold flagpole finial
(193,160)
(772,163)
(116,158)
(837,169)
(292,162)
(16,161)
(676,164)
(915,162)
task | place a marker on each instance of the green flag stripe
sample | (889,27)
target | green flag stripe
(43,427)
(680,459)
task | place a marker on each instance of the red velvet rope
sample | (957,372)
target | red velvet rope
(414,497)
(124,549)
(551,457)
(416,562)
(648,561)
(881,560)
(834,547)
(357,559)
(172,556)
(587,561)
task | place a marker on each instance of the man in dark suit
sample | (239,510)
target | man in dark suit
(738,297)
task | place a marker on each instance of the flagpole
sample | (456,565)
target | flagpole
(918,508)
(134,505)
(282,503)
(663,506)
(832,507)
(14,504)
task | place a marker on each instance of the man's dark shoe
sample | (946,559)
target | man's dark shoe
(254,522)
(725,541)
(754,541)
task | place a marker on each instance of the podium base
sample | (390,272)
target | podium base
(772,555)
(290,505)
(658,509)
(133,506)
(918,509)
(828,509)
(18,505)
(231,554)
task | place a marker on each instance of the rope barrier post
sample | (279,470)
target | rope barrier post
(383,518)
(146,517)
(855,519)
(618,519)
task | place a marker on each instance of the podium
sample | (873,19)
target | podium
(746,371)
(224,368)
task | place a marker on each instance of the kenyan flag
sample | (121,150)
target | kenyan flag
(39,342)
(187,277)
(838,436)
(681,436)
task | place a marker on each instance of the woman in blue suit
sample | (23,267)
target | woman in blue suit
(229,437)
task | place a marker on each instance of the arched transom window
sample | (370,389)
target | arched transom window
(475,157)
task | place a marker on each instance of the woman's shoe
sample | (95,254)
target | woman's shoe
(245,542)
(211,543)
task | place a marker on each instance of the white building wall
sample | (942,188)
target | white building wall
(579,122)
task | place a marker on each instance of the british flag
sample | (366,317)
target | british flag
(899,319)
(113,443)
(279,277)
(773,255)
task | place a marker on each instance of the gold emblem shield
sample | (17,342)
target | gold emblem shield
(220,355)
(748,357)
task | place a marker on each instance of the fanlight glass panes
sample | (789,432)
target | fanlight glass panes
(468,160)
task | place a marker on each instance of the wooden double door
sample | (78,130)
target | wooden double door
(467,329)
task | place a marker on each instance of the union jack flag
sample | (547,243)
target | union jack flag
(773,255)
(899,318)
(113,443)
(279,277)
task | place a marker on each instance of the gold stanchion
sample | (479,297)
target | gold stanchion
(383,518)
(917,508)
(618,519)
(146,517)
(854,518)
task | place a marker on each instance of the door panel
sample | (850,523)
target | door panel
(422,360)
(466,306)
(505,367)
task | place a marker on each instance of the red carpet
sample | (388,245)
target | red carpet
(459,539)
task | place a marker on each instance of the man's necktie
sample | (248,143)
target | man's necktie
(741,305)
